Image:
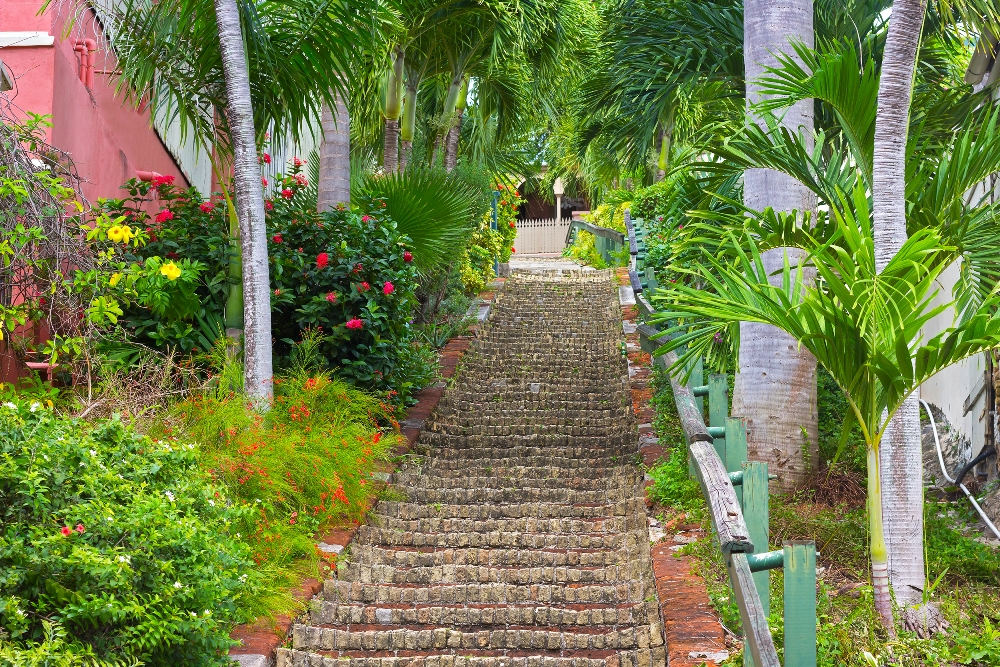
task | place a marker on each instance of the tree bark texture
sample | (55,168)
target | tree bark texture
(390,150)
(775,386)
(406,148)
(451,143)
(900,451)
(335,157)
(258,374)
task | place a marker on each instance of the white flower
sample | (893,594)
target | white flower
(194,615)
(110,519)
(35,406)
(10,405)
(208,613)
(178,584)
(82,464)
(124,559)
(169,495)
(93,452)
(211,502)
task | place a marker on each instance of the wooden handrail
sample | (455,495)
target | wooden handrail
(603,232)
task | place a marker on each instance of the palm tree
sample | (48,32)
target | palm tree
(901,453)
(334,186)
(258,373)
(862,323)
(775,387)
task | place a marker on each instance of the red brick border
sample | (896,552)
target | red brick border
(263,637)
(692,631)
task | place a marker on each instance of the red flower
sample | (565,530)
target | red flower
(263,181)
(322,260)
(298,162)
(364,287)
(358,268)
(277,292)
(66,531)
(388,288)
(407,256)
(331,297)
(164,215)
(173,255)
(276,238)
(365,218)
(268,205)
(162,180)
(354,323)
(80,528)
(286,193)
(512,225)
(207,207)
(512,250)
(301,180)
(265,158)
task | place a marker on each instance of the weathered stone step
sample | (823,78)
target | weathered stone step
(489,557)
(500,539)
(338,590)
(575,463)
(414,480)
(655,657)
(460,574)
(629,509)
(336,613)
(403,639)
(514,495)
(526,428)
(533,472)
(564,446)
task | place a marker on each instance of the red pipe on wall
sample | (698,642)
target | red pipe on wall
(81,50)
(91,47)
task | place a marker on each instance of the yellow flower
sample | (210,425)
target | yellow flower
(114,279)
(127,234)
(171,271)
(116,233)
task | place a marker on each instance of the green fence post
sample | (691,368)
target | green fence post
(697,375)
(718,410)
(735,448)
(755,513)
(800,603)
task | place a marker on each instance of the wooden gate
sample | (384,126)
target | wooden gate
(544,235)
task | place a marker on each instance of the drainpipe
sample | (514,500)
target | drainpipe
(90,46)
(81,51)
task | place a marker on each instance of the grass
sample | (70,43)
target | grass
(849,632)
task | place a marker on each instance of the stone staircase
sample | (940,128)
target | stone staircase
(522,540)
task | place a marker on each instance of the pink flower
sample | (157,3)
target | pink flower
(276,238)
(298,162)
(79,528)
(164,215)
(364,287)
(322,260)
(388,288)
(407,256)
(331,297)
(268,205)
(66,531)
(207,207)
(301,179)
(365,218)
(265,158)
(277,292)
(286,193)
(354,323)
(263,181)
(162,180)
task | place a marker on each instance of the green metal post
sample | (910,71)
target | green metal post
(755,510)
(800,603)
(718,409)
(735,448)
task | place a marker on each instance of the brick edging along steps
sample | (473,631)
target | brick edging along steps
(260,640)
(692,630)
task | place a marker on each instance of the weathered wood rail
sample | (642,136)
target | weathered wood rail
(736,495)
(606,241)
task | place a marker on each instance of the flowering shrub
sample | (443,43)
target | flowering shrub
(307,461)
(476,268)
(114,545)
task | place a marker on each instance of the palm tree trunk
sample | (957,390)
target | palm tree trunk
(390,155)
(409,122)
(775,387)
(393,107)
(258,373)
(451,143)
(900,451)
(335,157)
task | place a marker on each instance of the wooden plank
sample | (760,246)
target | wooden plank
(633,279)
(800,603)
(755,509)
(630,229)
(723,507)
(759,644)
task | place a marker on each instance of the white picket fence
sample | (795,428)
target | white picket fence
(544,235)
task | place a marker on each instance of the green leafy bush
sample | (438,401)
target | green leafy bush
(488,245)
(584,250)
(113,545)
(672,486)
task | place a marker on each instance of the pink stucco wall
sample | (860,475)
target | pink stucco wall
(107,138)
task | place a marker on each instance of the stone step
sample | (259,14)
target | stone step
(461,574)
(565,446)
(569,464)
(527,428)
(338,590)
(629,509)
(526,471)
(499,539)
(515,495)
(655,657)
(405,639)
(612,481)
(489,557)
(336,613)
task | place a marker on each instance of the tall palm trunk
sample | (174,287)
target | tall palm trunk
(901,502)
(409,122)
(249,206)
(393,107)
(335,157)
(775,387)
(455,129)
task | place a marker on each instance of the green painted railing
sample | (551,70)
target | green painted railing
(736,494)
(606,241)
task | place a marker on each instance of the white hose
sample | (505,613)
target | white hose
(944,471)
